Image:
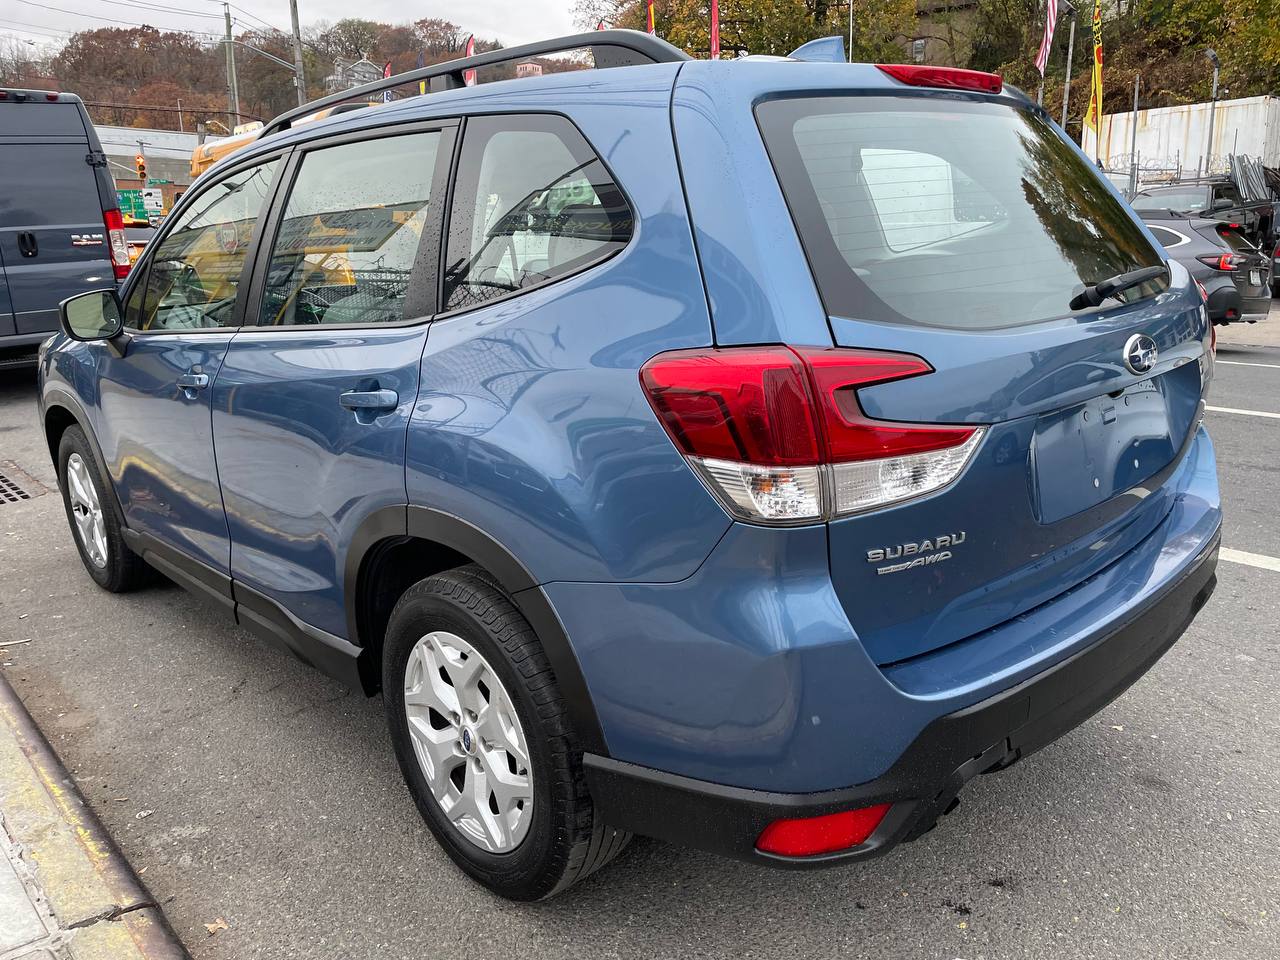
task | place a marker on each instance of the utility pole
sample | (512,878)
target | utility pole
(1066,81)
(851,31)
(181,128)
(233,91)
(1133,139)
(299,77)
(1213,106)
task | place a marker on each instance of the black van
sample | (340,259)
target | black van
(61,231)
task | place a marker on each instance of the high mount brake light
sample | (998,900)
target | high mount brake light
(951,78)
(116,242)
(779,436)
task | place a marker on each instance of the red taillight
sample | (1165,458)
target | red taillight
(1204,294)
(116,242)
(763,424)
(811,836)
(849,435)
(750,404)
(952,78)
(51,97)
(1226,261)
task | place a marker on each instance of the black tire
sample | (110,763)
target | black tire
(123,569)
(565,841)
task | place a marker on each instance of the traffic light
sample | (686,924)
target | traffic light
(140,162)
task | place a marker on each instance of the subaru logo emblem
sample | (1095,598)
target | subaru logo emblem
(1140,353)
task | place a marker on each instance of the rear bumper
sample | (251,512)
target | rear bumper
(924,781)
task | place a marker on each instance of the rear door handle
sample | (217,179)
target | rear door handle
(193,381)
(369,400)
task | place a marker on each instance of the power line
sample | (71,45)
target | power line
(161,8)
(36,29)
(130,23)
(269,26)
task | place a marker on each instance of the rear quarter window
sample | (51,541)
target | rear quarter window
(948,213)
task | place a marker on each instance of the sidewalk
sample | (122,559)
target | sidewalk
(66,893)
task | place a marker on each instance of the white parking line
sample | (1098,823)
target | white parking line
(1251,559)
(1245,363)
(1245,413)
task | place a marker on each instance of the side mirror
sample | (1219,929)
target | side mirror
(1222,203)
(95,315)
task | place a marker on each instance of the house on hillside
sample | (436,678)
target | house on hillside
(351,73)
(944,32)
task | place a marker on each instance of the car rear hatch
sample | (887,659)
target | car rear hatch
(1248,265)
(958,229)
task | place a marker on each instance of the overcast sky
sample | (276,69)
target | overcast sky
(511,21)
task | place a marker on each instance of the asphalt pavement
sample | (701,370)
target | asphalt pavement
(260,803)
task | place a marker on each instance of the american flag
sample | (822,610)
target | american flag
(1046,43)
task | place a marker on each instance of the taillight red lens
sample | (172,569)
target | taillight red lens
(952,78)
(811,836)
(116,243)
(1226,261)
(762,424)
(849,435)
(749,404)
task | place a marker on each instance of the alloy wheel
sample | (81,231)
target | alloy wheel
(86,511)
(468,741)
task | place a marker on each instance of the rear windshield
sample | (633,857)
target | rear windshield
(1236,241)
(1180,201)
(946,213)
(41,119)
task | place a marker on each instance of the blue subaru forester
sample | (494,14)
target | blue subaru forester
(744,454)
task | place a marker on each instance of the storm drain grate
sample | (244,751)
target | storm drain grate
(16,485)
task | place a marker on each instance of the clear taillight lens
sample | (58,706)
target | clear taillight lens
(778,435)
(116,243)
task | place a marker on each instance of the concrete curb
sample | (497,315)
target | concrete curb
(81,888)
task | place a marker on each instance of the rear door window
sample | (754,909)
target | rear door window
(532,204)
(39,119)
(946,213)
(351,233)
(48,184)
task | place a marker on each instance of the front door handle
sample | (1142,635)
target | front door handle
(193,381)
(370,399)
(368,404)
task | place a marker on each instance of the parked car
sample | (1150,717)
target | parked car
(1236,275)
(638,433)
(1213,199)
(61,232)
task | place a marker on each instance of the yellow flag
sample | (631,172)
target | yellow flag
(1093,118)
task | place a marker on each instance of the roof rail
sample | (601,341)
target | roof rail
(610,48)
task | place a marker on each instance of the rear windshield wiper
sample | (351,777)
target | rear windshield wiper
(1094,295)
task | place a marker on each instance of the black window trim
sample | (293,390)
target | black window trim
(423,296)
(142,269)
(581,269)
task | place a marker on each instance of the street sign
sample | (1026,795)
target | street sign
(132,204)
(152,199)
(153,182)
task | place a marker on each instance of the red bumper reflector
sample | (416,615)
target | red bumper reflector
(810,836)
